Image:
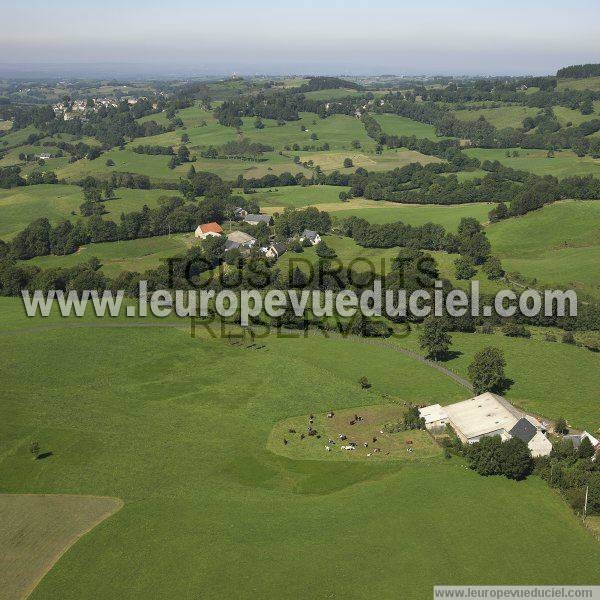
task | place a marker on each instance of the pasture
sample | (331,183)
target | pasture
(178,428)
(290,438)
(502,117)
(564,255)
(587,83)
(20,206)
(37,529)
(413,214)
(403,126)
(564,164)
(387,160)
(128,255)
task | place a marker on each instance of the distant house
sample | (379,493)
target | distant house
(274,250)
(239,240)
(208,229)
(256,219)
(44,156)
(312,236)
(240,213)
(488,415)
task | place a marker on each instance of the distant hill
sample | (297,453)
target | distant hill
(579,71)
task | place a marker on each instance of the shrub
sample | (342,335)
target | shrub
(515,330)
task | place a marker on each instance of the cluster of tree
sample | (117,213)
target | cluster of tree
(492,456)
(84,276)
(429,236)
(293,222)
(11,177)
(286,106)
(244,149)
(573,472)
(39,177)
(111,126)
(579,71)
(153,150)
(182,156)
(327,83)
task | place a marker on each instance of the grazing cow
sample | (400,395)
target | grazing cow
(311,416)
(374,439)
(302,436)
(347,447)
(291,430)
(342,436)
(285,442)
(352,422)
(328,448)
(330,415)
(376,449)
(331,441)
(369,454)
(409,442)
(366,445)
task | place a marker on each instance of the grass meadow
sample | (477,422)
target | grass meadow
(403,126)
(505,116)
(128,255)
(558,244)
(564,164)
(178,427)
(20,206)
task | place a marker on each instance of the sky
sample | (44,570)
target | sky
(304,36)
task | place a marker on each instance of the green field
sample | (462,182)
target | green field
(558,244)
(505,116)
(566,115)
(20,206)
(587,83)
(397,125)
(388,160)
(177,427)
(388,212)
(564,164)
(297,196)
(129,255)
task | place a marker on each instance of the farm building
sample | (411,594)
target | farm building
(312,236)
(240,213)
(208,229)
(256,219)
(239,240)
(274,250)
(488,415)
(576,438)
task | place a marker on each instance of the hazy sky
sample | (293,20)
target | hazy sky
(306,36)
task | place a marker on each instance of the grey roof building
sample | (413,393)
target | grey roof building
(524,430)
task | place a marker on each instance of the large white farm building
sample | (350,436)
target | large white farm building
(488,415)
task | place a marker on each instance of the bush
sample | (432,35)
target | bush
(568,338)
(464,268)
(515,330)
